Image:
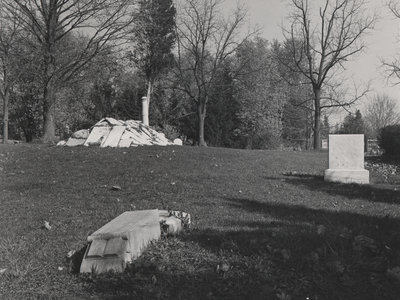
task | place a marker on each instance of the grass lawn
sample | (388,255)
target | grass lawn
(265,225)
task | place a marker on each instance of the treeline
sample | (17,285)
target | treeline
(66,64)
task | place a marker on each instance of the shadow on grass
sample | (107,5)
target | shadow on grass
(75,261)
(374,226)
(281,253)
(369,192)
(149,283)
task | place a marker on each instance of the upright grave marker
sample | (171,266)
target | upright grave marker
(346,159)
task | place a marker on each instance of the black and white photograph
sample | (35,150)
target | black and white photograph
(200,149)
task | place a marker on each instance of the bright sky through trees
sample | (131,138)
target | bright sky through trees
(383,43)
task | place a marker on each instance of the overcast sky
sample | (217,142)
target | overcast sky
(383,42)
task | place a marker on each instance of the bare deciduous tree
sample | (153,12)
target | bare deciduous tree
(154,38)
(14,60)
(380,112)
(51,22)
(205,40)
(8,37)
(322,44)
(393,66)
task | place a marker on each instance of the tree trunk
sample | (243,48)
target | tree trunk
(5,117)
(201,114)
(49,125)
(249,142)
(49,122)
(317,119)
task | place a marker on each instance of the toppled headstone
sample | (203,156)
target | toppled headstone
(120,241)
(346,159)
(124,238)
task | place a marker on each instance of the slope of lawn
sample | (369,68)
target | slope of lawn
(265,225)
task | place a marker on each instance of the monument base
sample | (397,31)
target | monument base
(347,176)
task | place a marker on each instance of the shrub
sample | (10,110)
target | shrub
(389,139)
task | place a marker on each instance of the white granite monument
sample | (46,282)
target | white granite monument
(346,159)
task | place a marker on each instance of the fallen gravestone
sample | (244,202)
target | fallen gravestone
(346,159)
(124,238)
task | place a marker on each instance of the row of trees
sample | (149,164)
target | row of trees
(381,112)
(65,64)
(48,35)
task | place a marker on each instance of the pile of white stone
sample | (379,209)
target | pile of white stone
(110,132)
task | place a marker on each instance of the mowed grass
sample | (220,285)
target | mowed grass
(265,225)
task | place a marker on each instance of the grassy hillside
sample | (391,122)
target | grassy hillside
(265,225)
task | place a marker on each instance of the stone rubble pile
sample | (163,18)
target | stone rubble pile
(110,132)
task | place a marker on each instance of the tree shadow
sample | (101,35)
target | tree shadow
(375,226)
(383,193)
(284,249)
(74,262)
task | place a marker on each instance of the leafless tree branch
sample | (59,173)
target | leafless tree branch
(318,48)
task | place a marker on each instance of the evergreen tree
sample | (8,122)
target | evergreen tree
(154,38)
(222,112)
(353,125)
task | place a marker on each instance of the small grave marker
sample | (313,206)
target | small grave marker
(324,143)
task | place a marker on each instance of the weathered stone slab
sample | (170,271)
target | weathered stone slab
(120,241)
(126,140)
(178,142)
(108,121)
(72,142)
(346,159)
(113,137)
(346,151)
(139,139)
(97,135)
(81,134)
